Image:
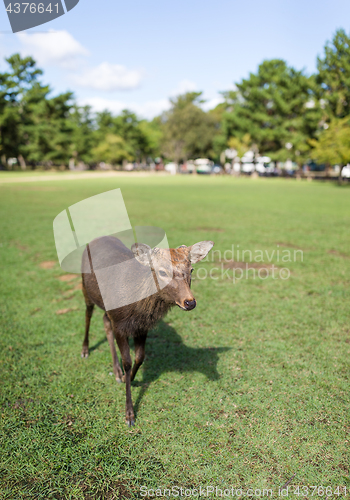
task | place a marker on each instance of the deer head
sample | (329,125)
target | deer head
(172,269)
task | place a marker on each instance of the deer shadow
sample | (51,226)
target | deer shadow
(166,352)
(97,345)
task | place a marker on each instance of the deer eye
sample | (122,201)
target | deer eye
(163,274)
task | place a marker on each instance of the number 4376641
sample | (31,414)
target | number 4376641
(32,8)
(319,491)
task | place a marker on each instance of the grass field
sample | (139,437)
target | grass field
(248,390)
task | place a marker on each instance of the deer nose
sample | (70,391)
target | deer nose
(190,304)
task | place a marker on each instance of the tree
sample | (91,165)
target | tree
(126,125)
(334,76)
(113,150)
(333,145)
(19,91)
(33,127)
(278,106)
(135,133)
(47,135)
(153,134)
(187,130)
(83,136)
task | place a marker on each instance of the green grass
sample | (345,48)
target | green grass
(247,390)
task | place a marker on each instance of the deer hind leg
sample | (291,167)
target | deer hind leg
(88,314)
(140,342)
(110,337)
(124,348)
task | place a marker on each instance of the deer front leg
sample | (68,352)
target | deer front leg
(110,337)
(124,348)
(140,342)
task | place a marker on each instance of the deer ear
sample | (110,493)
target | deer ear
(200,250)
(142,253)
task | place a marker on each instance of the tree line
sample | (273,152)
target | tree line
(277,111)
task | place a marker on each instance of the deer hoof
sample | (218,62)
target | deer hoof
(130,417)
(85,352)
(119,380)
(123,379)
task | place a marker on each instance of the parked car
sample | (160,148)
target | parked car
(203,166)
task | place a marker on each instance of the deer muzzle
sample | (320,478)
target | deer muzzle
(187,305)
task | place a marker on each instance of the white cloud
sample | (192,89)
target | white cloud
(60,48)
(52,48)
(148,109)
(108,77)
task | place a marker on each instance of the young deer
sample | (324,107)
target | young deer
(160,279)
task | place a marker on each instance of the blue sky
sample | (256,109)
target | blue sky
(137,54)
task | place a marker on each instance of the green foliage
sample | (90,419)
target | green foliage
(153,134)
(48,134)
(187,130)
(113,150)
(240,145)
(34,128)
(276,106)
(20,94)
(142,138)
(333,144)
(83,135)
(334,75)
